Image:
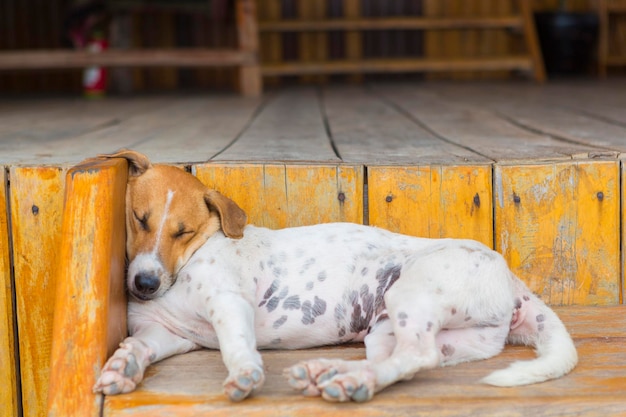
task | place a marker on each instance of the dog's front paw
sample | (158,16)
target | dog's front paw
(241,384)
(121,373)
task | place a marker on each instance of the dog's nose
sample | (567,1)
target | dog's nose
(146,283)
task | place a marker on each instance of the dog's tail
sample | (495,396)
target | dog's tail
(535,324)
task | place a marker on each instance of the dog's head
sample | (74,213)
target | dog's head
(169,215)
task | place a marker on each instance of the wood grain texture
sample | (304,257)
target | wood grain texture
(558,227)
(279,195)
(36,209)
(191,384)
(573,114)
(432,201)
(8,370)
(91,318)
(473,124)
(290,127)
(367,130)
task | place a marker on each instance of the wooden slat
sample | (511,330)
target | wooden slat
(36,207)
(277,196)
(540,110)
(531,40)
(367,130)
(432,201)
(353,39)
(290,127)
(180,57)
(8,370)
(91,262)
(391,23)
(512,62)
(191,384)
(57,131)
(200,133)
(250,83)
(472,122)
(271,44)
(557,225)
(622,297)
(162,128)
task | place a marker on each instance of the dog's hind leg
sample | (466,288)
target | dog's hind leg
(307,376)
(415,322)
(470,343)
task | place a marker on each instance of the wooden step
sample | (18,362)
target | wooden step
(191,384)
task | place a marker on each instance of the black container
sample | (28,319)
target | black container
(568,41)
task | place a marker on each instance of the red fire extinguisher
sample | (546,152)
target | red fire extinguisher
(95,77)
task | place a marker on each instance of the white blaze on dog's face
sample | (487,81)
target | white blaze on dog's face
(169,215)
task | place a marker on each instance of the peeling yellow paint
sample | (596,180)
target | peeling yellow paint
(280,195)
(432,201)
(558,227)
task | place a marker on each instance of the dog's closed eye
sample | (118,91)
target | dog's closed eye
(182,231)
(143,221)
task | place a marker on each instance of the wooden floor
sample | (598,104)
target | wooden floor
(420,123)
(534,171)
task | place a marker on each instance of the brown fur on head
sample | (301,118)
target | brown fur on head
(169,215)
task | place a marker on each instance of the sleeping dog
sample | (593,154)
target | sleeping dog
(200,277)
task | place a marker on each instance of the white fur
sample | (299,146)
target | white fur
(417,303)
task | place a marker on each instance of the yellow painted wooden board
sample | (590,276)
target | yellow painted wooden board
(623,218)
(432,201)
(36,206)
(8,393)
(558,227)
(279,195)
(91,318)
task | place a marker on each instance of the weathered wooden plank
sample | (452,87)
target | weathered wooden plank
(36,207)
(367,130)
(623,219)
(179,57)
(539,110)
(160,124)
(467,123)
(57,131)
(432,201)
(278,195)
(201,132)
(290,127)
(510,62)
(90,273)
(8,371)
(191,384)
(558,227)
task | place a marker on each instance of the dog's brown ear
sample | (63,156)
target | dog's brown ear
(138,163)
(232,217)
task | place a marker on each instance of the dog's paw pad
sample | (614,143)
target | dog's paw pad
(240,386)
(348,387)
(120,374)
(306,376)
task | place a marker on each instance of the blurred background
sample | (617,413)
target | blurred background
(569,33)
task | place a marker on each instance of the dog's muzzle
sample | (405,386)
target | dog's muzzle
(147,278)
(146,285)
